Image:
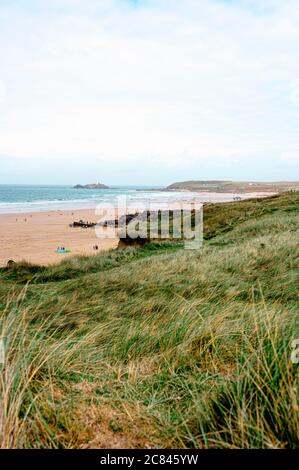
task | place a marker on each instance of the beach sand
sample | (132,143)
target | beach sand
(35,236)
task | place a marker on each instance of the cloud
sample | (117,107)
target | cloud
(291,155)
(2,91)
(183,83)
(294,95)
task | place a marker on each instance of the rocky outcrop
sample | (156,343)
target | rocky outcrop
(127,241)
(120,222)
(10,264)
(91,186)
(83,224)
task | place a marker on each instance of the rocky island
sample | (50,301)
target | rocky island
(91,186)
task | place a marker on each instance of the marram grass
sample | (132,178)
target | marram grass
(159,346)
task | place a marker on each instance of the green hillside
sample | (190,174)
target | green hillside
(159,346)
(234,186)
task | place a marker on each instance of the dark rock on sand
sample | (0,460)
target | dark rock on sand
(10,264)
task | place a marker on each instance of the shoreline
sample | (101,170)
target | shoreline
(15,208)
(34,236)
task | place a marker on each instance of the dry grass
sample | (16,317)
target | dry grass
(159,347)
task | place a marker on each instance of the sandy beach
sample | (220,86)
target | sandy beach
(35,236)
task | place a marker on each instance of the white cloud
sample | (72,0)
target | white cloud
(179,82)
(2,91)
(295,91)
(291,155)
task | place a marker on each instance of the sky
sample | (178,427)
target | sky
(148,92)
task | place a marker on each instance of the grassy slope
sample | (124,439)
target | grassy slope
(159,346)
(233,186)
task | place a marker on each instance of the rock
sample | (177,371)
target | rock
(124,242)
(91,186)
(82,224)
(121,222)
(10,264)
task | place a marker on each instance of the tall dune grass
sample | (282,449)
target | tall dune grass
(157,348)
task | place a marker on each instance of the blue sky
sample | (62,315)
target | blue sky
(149,91)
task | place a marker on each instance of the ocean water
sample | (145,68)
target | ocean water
(26,198)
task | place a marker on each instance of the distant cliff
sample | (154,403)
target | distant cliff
(91,186)
(234,186)
(197,185)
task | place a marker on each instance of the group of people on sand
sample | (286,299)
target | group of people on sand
(62,248)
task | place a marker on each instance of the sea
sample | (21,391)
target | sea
(35,198)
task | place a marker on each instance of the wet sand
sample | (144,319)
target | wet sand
(35,236)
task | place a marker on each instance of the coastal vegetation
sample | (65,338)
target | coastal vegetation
(220,186)
(159,346)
